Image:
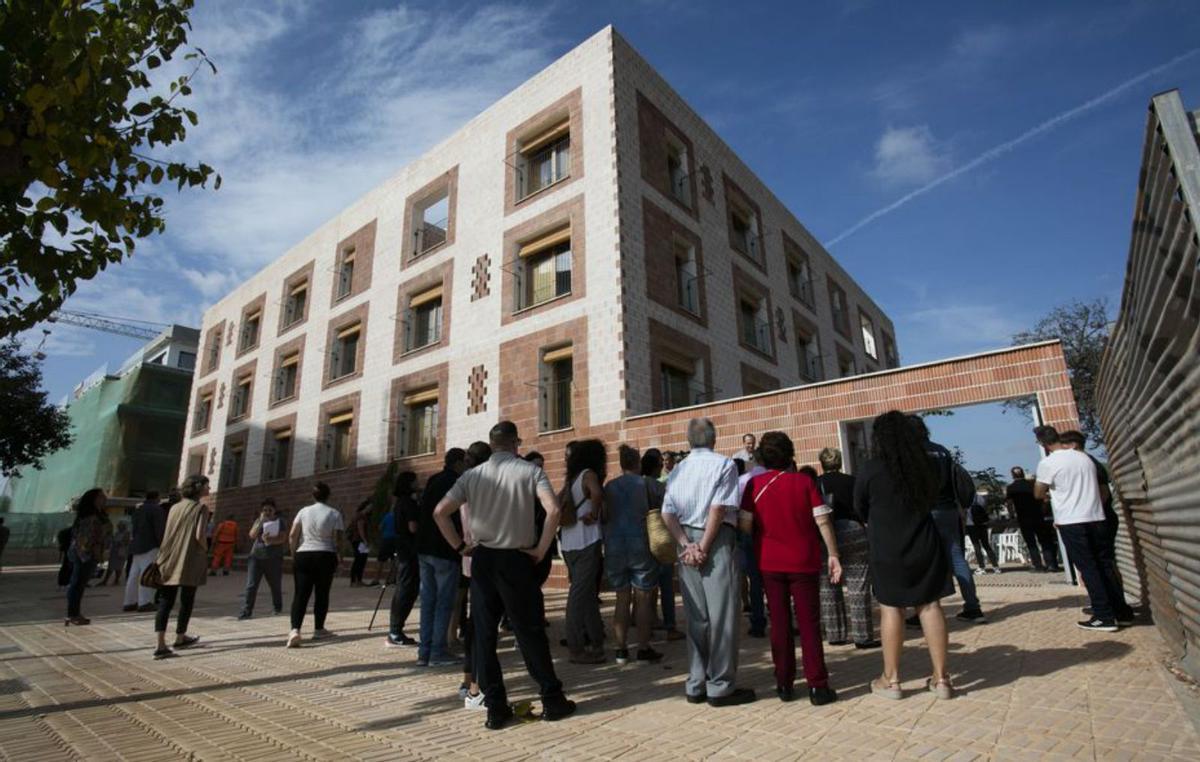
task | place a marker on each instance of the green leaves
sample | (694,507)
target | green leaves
(78,134)
(30,427)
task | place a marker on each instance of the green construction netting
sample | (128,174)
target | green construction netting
(128,439)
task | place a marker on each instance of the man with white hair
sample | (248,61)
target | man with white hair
(700,510)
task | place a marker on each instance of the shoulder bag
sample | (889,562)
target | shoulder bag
(662,544)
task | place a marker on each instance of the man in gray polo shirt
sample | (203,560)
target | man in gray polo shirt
(700,510)
(501,494)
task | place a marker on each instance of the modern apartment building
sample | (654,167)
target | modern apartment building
(585,250)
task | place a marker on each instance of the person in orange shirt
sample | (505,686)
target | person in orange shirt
(224,537)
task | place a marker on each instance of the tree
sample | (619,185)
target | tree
(30,427)
(81,117)
(996,486)
(1082,327)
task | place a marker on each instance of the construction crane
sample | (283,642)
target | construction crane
(137,329)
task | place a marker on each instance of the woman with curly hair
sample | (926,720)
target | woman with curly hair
(894,493)
(579,541)
(90,534)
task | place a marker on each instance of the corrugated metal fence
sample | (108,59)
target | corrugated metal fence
(1149,386)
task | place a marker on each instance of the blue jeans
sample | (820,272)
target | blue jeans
(439,586)
(950,528)
(81,573)
(666,587)
(749,565)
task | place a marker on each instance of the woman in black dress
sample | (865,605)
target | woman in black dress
(893,493)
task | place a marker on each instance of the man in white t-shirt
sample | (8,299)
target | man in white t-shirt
(1068,477)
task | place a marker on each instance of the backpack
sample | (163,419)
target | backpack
(979,514)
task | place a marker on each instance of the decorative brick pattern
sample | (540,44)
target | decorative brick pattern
(477,390)
(481,277)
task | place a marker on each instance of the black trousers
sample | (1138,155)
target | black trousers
(1035,530)
(166,602)
(408,588)
(359,566)
(1090,550)
(506,581)
(313,571)
(981,539)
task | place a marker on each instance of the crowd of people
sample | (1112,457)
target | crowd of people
(804,554)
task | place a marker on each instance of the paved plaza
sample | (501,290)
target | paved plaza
(1033,687)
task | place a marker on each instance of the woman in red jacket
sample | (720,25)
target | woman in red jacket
(789,521)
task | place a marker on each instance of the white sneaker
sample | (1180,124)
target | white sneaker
(293,640)
(474,703)
(978,572)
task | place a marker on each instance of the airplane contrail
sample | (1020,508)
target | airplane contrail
(998,151)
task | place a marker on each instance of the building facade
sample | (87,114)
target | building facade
(584,251)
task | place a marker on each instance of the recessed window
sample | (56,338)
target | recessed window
(544,269)
(744,234)
(251,326)
(890,355)
(213,359)
(417,433)
(423,320)
(754,323)
(187,361)
(846,364)
(195,463)
(339,440)
(557,382)
(343,356)
(431,222)
(203,413)
(800,278)
(682,383)
(808,351)
(234,463)
(840,309)
(239,406)
(345,274)
(868,334)
(277,454)
(287,376)
(544,159)
(677,170)
(687,277)
(295,307)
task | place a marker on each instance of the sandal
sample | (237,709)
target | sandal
(943,689)
(187,641)
(163,653)
(888,689)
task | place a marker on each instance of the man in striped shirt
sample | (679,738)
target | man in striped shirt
(700,510)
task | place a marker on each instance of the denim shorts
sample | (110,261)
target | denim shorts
(627,561)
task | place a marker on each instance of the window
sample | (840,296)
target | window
(557,380)
(295,307)
(431,222)
(277,454)
(682,383)
(343,356)
(203,412)
(544,269)
(339,440)
(677,170)
(868,334)
(544,160)
(890,357)
(744,232)
(754,323)
(345,274)
(846,364)
(250,329)
(231,468)
(214,349)
(808,351)
(419,422)
(239,406)
(800,278)
(423,322)
(840,309)
(187,361)
(286,377)
(195,463)
(686,277)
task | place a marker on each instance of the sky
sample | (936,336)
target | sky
(972,164)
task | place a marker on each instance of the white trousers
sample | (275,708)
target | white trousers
(135,593)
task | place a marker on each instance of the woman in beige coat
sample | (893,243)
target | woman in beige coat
(182,560)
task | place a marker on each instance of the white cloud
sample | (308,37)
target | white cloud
(211,284)
(937,332)
(908,156)
(974,45)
